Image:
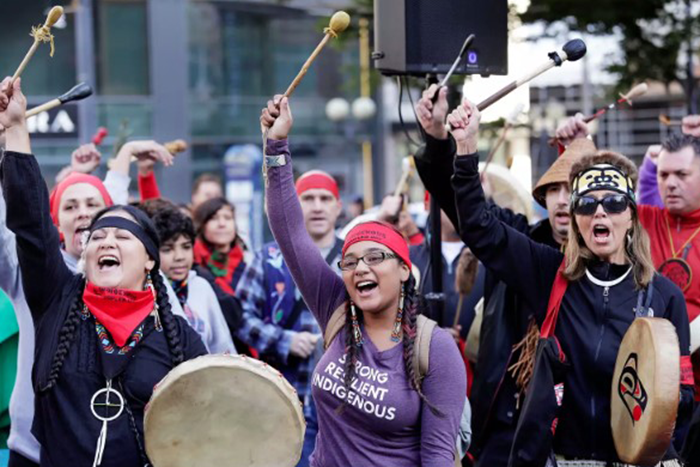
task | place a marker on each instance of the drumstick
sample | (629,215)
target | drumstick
(174,147)
(510,121)
(572,51)
(78,92)
(40,34)
(633,93)
(636,91)
(463,50)
(666,120)
(408,166)
(339,23)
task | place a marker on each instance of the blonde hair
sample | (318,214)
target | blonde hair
(637,248)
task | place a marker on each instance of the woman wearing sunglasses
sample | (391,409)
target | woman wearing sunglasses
(607,271)
(373,409)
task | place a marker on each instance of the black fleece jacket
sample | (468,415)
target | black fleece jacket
(64,423)
(592,319)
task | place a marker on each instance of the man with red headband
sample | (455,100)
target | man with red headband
(277,322)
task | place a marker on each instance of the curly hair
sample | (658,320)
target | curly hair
(171,223)
(637,248)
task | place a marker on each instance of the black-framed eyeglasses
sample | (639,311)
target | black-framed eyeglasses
(371,259)
(612,204)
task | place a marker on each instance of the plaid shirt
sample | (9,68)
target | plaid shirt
(273,341)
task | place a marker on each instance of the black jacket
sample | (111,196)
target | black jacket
(493,395)
(420,257)
(591,323)
(63,423)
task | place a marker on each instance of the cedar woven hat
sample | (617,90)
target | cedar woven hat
(559,171)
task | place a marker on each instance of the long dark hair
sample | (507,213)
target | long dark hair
(206,211)
(413,306)
(68,331)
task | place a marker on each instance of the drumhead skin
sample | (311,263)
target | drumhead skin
(221,410)
(645,391)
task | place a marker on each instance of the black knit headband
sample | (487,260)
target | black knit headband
(118,222)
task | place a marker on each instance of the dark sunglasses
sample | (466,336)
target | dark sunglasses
(612,204)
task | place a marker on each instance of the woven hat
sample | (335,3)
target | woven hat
(559,171)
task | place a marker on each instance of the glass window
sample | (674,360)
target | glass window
(122,47)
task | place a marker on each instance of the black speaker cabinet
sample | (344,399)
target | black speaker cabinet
(417,37)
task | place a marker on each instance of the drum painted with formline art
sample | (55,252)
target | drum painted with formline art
(645,391)
(224,410)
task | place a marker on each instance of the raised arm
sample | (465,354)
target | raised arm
(435,161)
(648,187)
(43,270)
(321,288)
(528,267)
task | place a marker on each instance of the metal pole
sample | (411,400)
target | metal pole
(435,298)
(365,91)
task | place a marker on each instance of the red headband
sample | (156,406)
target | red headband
(74,179)
(317,179)
(380,233)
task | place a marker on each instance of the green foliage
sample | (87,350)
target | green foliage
(654,33)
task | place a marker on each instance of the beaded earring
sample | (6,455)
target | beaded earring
(154,313)
(396,332)
(356,331)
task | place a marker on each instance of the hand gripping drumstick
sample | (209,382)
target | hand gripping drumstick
(572,51)
(633,93)
(339,23)
(78,92)
(174,147)
(40,34)
(408,166)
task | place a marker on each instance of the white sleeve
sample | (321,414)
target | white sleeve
(175,306)
(220,340)
(117,186)
(10,281)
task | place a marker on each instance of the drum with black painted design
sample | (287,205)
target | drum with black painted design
(646,391)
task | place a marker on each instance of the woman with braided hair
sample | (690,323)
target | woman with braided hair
(373,409)
(104,338)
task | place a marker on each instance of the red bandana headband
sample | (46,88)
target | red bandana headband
(380,233)
(319,180)
(74,179)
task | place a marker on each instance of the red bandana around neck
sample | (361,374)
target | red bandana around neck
(120,311)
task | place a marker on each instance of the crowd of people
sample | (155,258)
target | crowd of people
(111,295)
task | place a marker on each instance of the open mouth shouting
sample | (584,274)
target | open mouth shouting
(77,241)
(601,234)
(365,288)
(107,263)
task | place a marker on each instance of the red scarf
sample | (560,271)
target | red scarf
(222,265)
(120,311)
